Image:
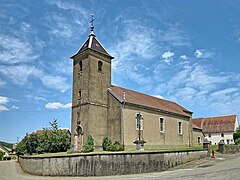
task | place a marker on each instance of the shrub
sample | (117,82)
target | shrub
(236,135)
(1,155)
(116,146)
(106,144)
(237,141)
(89,146)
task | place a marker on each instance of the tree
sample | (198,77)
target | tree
(49,140)
(236,135)
(54,125)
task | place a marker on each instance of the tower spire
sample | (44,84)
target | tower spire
(92,24)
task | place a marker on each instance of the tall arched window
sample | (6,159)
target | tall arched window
(100,63)
(161,125)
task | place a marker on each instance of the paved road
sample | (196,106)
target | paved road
(224,167)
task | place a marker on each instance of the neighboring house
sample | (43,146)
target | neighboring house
(103,110)
(198,135)
(6,151)
(218,128)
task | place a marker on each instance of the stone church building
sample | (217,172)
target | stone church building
(101,109)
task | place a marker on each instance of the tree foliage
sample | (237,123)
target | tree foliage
(236,135)
(49,140)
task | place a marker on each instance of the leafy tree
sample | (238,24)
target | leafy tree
(50,140)
(89,146)
(236,135)
(54,125)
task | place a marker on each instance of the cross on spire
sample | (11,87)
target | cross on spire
(92,22)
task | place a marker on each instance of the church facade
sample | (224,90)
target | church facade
(102,110)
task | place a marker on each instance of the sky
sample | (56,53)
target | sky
(184,51)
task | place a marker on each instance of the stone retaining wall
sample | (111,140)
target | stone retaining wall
(107,164)
(228,148)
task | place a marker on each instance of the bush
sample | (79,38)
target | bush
(48,141)
(89,146)
(236,135)
(106,144)
(237,141)
(116,146)
(1,155)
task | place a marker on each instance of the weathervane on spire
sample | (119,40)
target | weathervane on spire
(92,21)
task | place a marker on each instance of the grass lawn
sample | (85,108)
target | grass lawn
(126,151)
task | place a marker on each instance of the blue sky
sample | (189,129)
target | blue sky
(184,51)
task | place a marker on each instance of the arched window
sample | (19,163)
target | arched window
(80,65)
(100,63)
(161,125)
(139,121)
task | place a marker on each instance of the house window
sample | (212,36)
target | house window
(139,121)
(199,140)
(222,134)
(80,65)
(209,135)
(179,127)
(161,124)
(100,63)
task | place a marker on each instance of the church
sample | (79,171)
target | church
(101,109)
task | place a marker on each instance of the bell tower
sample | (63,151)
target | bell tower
(91,78)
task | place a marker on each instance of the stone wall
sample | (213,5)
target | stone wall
(107,164)
(228,148)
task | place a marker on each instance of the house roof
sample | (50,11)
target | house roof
(137,98)
(194,126)
(6,149)
(219,124)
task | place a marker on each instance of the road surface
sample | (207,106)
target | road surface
(223,167)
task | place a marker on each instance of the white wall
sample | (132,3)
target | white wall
(216,137)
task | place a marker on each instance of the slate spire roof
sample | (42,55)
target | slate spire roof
(219,124)
(93,44)
(136,98)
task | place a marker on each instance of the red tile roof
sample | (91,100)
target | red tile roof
(145,100)
(217,124)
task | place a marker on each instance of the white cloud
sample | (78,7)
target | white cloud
(203,53)
(4,100)
(174,36)
(14,50)
(14,107)
(58,105)
(3,108)
(168,57)
(20,74)
(200,87)
(184,57)
(60,26)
